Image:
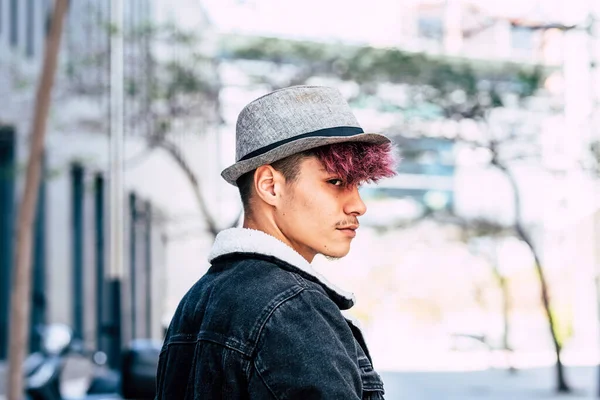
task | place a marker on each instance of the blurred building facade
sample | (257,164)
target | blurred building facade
(71,229)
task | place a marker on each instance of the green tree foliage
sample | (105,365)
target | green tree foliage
(462,88)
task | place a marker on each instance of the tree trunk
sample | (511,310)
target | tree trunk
(21,295)
(562,385)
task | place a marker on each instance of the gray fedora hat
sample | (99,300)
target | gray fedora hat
(292,120)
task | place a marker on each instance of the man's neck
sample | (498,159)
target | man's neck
(270,228)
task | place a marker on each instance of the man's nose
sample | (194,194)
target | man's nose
(355,205)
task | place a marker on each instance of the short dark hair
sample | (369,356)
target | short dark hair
(289,168)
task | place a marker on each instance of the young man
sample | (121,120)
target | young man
(262,323)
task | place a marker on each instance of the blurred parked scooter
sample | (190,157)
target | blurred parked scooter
(43,370)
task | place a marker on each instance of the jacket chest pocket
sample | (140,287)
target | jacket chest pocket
(371,381)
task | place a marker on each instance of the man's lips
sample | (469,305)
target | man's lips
(352,227)
(349,230)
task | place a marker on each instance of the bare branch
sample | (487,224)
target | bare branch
(176,155)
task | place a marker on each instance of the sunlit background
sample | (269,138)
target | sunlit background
(491,226)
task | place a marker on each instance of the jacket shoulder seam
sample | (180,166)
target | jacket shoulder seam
(273,305)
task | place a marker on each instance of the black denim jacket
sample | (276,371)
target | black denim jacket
(261,324)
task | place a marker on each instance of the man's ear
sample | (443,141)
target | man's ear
(267,184)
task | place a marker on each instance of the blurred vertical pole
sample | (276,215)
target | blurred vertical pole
(99,258)
(116,180)
(7,212)
(21,289)
(39,301)
(148,266)
(133,261)
(77,241)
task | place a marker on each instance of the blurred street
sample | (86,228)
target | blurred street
(493,384)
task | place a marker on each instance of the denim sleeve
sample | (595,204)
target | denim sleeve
(306,351)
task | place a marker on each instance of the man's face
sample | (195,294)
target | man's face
(318,213)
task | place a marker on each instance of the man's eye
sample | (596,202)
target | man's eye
(336,182)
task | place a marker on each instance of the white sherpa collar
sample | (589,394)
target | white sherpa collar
(243,240)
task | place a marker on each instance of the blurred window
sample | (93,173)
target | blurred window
(47,15)
(428,157)
(521,38)
(14,22)
(446,156)
(431,27)
(7,210)
(30,27)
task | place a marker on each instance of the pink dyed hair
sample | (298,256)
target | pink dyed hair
(357,162)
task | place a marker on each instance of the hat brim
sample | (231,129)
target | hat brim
(232,173)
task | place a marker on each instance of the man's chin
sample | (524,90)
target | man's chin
(335,255)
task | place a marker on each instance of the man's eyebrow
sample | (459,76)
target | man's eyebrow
(328,174)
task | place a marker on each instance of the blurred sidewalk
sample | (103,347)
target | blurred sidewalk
(492,384)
